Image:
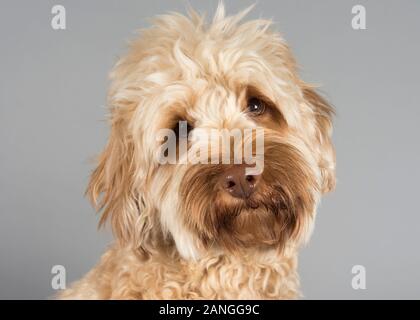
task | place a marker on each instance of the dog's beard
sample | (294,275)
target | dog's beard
(277,211)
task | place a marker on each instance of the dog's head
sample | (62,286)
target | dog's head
(225,75)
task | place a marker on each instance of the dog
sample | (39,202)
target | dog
(205,230)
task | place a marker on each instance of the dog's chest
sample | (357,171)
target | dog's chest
(218,277)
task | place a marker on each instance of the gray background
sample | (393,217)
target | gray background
(52,94)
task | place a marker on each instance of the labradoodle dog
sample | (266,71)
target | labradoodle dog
(214,229)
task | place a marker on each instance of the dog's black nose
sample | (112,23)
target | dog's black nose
(237,183)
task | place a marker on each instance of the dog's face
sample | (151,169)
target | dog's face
(227,76)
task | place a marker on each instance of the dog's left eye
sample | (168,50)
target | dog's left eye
(256,106)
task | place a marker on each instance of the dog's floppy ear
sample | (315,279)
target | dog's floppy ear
(323,112)
(111,184)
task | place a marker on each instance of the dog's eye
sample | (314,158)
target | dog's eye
(182,128)
(256,106)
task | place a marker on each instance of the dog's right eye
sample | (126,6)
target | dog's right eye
(182,128)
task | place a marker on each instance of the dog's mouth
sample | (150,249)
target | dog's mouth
(273,203)
(269,197)
(251,204)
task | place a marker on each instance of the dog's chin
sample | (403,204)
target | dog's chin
(264,220)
